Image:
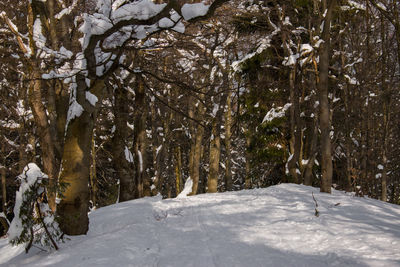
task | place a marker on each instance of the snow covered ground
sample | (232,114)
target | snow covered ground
(275,226)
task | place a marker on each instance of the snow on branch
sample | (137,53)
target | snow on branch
(274,113)
(108,30)
(113,25)
(14,29)
(353,5)
(66,10)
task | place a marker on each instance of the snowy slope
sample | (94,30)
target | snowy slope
(264,227)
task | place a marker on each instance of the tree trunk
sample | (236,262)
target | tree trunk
(4,189)
(308,174)
(76,160)
(323,90)
(384,177)
(140,141)
(215,152)
(295,129)
(397,29)
(347,128)
(386,113)
(52,116)
(215,143)
(312,127)
(247,181)
(165,156)
(228,135)
(348,141)
(3,183)
(93,175)
(197,151)
(23,160)
(121,153)
(45,136)
(53,119)
(61,100)
(157,147)
(197,158)
(178,170)
(192,130)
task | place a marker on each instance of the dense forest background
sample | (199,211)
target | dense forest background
(252,94)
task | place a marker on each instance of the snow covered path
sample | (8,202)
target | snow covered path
(264,227)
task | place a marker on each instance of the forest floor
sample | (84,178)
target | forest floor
(275,226)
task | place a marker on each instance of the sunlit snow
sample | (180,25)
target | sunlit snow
(275,226)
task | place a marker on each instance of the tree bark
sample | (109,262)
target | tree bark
(178,170)
(45,136)
(197,150)
(140,142)
(312,127)
(348,141)
(4,189)
(23,160)
(295,129)
(3,183)
(157,147)
(39,111)
(323,90)
(192,130)
(215,143)
(197,158)
(247,181)
(93,175)
(123,167)
(215,152)
(308,173)
(76,159)
(228,135)
(386,113)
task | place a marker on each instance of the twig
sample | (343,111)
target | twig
(28,247)
(316,205)
(45,227)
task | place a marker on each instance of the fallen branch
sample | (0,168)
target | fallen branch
(316,205)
